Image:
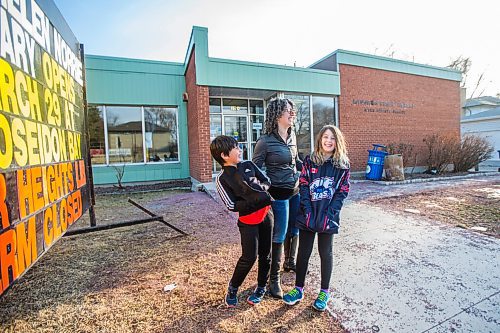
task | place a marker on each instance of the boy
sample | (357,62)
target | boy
(243,188)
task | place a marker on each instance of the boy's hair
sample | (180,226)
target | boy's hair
(339,155)
(275,108)
(222,144)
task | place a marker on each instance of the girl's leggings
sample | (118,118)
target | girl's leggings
(325,248)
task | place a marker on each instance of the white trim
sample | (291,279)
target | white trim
(336,105)
(143,135)
(311,122)
(106,143)
(135,163)
(479,119)
(177,133)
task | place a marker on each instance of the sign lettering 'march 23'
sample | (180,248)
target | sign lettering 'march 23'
(43,181)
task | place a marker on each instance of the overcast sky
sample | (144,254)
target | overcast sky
(285,32)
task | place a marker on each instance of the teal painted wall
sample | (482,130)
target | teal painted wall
(252,75)
(120,81)
(141,173)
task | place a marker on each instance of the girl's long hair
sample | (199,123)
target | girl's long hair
(274,110)
(339,155)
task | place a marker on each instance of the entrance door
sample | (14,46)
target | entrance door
(236,126)
(239,118)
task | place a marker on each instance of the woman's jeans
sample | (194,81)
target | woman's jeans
(285,214)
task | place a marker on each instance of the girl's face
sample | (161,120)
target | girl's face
(287,117)
(328,143)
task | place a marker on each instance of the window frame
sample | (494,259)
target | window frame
(144,162)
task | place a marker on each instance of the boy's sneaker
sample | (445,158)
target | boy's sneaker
(231,297)
(293,297)
(257,296)
(321,302)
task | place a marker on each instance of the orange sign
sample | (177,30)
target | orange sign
(43,181)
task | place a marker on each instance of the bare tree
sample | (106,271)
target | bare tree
(119,173)
(464,64)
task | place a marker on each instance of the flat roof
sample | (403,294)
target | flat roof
(384,63)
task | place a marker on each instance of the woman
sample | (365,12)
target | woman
(324,185)
(277,150)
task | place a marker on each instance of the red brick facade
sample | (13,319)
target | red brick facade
(378,106)
(198,126)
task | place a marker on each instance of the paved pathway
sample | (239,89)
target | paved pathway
(395,273)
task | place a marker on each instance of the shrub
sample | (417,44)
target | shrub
(471,151)
(119,173)
(440,151)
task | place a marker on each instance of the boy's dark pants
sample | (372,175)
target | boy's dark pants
(255,242)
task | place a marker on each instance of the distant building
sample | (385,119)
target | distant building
(479,104)
(481,116)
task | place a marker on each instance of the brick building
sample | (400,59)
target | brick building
(372,99)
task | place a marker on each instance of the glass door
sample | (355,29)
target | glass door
(236,126)
(256,122)
(240,118)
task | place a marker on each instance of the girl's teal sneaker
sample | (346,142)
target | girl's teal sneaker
(293,297)
(321,302)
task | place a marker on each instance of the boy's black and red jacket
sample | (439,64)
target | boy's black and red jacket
(323,189)
(240,188)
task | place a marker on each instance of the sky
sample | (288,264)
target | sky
(296,32)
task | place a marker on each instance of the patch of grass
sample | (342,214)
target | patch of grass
(473,206)
(112,281)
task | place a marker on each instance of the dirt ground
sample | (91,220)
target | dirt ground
(466,207)
(112,281)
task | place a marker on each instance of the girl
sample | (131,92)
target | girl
(324,184)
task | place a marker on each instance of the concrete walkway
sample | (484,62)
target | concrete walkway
(399,274)
(395,273)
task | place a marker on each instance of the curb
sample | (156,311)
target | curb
(178,188)
(426,180)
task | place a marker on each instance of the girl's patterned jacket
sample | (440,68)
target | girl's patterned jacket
(322,192)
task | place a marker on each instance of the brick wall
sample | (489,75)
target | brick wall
(405,108)
(200,166)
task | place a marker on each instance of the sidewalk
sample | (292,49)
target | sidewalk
(396,273)
(400,274)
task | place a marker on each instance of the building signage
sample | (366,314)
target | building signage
(257,126)
(378,106)
(43,181)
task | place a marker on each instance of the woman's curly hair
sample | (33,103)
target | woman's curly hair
(274,110)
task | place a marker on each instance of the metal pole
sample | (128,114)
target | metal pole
(162,220)
(90,175)
(111,226)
